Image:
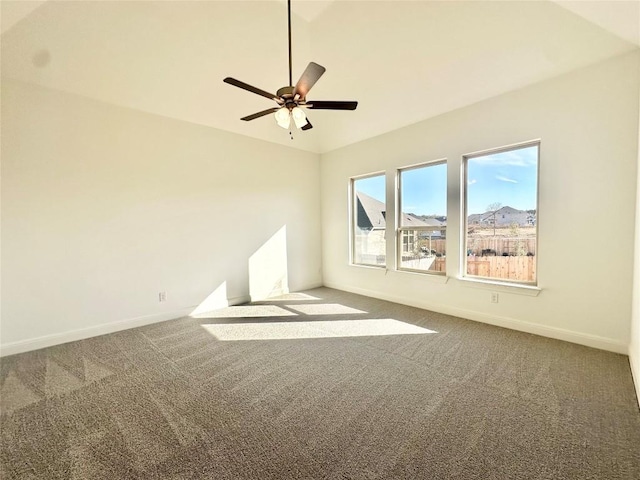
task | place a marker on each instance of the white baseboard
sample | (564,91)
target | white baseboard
(238,300)
(93,331)
(634,361)
(106,328)
(273,293)
(282,291)
(308,286)
(588,340)
(514,324)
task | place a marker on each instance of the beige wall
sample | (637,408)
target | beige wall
(634,346)
(104,207)
(587,123)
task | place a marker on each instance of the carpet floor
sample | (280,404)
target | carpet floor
(319,385)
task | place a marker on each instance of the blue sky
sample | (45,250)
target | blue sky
(510,178)
(372,186)
(424,190)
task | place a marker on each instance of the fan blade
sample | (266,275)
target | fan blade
(260,114)
(308,79)
(308,126)
(331,105)
(250,88)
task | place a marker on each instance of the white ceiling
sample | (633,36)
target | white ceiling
(403,61)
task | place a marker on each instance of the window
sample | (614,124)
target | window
(408,241)
(368,221)
(422,221)
(501,211)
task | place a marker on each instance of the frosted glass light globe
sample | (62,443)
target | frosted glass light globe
(283,117)
(299,117)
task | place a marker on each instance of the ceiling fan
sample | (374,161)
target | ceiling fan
(292,99)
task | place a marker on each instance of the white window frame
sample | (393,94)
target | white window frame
(465,216)
(353,206)
(400,229)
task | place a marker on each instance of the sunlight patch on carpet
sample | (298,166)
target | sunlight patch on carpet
(300,330)
(289,297)
(324,309)
(247,311)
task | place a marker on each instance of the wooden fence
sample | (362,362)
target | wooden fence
(522,269)
(499,245)
(439,265)
(502,245)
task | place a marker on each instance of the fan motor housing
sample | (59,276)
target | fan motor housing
(285,92)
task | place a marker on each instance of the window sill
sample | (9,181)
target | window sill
(364,265)
(529,290)
(431,277)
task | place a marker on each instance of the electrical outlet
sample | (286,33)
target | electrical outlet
(162,296)
(494,297)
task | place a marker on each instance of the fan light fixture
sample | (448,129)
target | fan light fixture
(291,97)
(284,115)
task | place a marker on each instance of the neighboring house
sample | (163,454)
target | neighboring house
(371,227)
(370,224)
(371,213)
(504,217)
(475,218)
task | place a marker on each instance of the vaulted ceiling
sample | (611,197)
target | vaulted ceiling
(404,61)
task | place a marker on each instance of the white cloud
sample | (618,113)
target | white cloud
(471,182)
(505,179)
(525,157)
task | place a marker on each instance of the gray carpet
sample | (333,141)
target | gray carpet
(336,387)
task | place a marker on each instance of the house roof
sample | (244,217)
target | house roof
(433,222)
(375,214)
(371,212)
(410,220)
